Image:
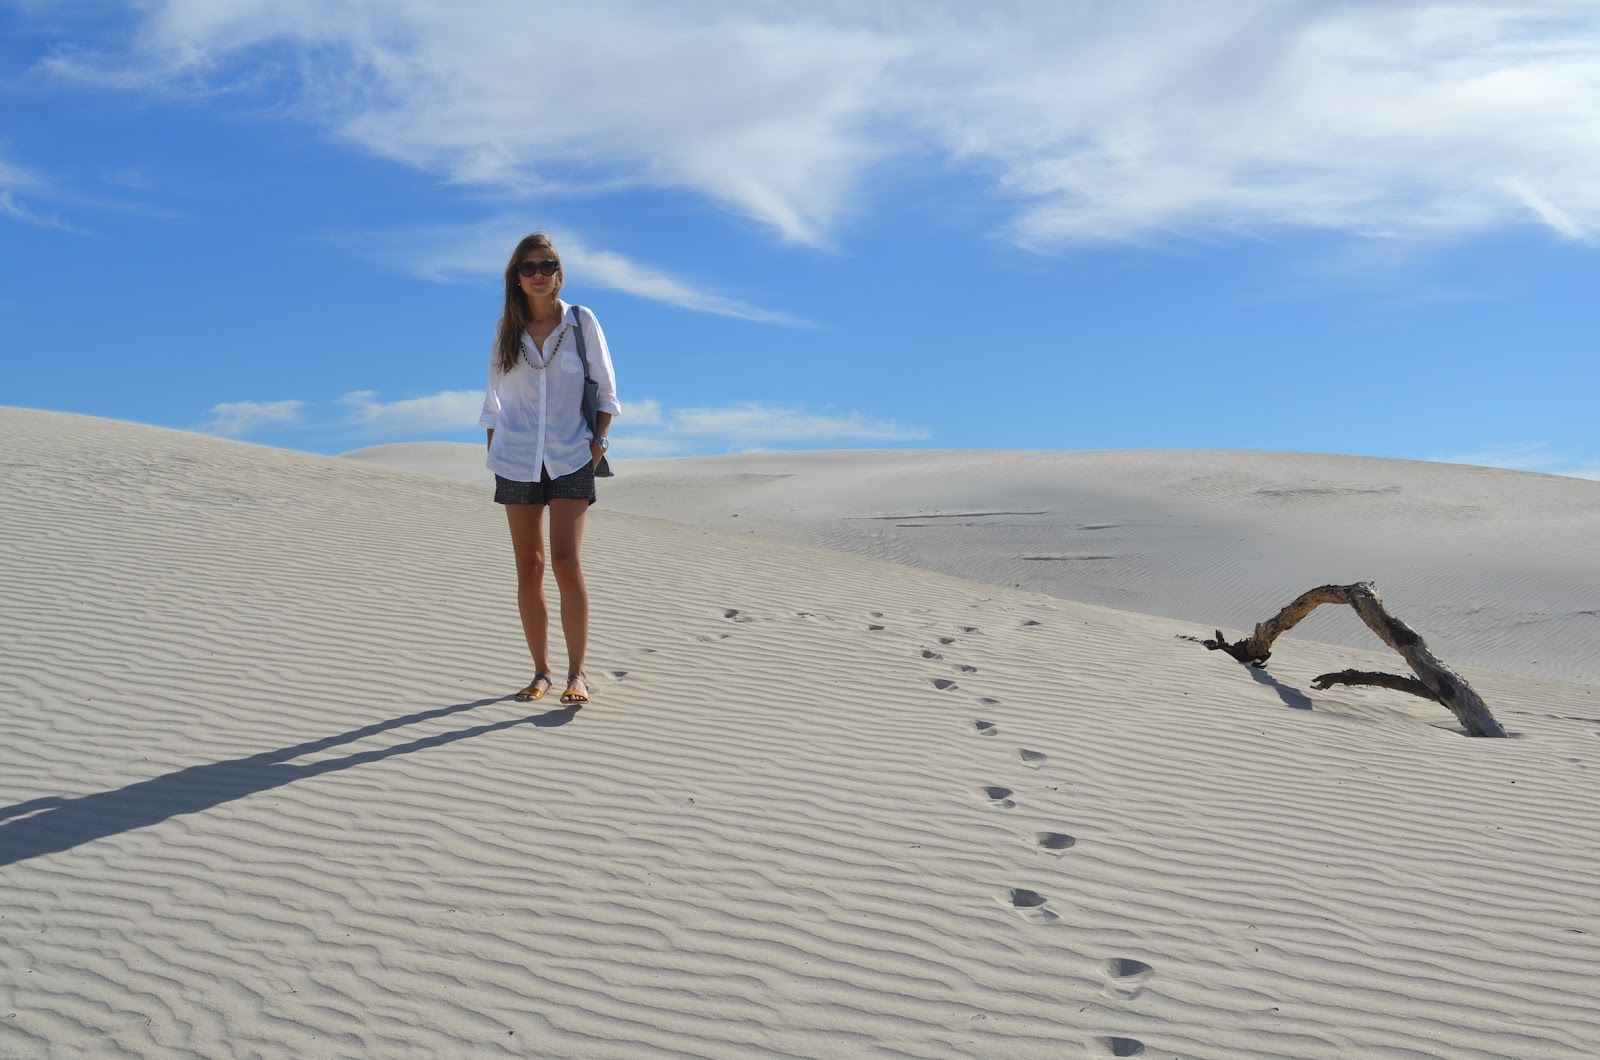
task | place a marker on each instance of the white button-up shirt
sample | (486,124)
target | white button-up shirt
(537,416)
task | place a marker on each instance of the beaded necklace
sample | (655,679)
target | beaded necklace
(540,366)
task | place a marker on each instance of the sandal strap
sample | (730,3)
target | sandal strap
(533,686)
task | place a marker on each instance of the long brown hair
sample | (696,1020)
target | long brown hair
(514,318)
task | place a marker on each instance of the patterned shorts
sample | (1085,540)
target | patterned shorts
(578,486)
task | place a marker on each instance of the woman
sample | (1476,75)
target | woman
(541,451)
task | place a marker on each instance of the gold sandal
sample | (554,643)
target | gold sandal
(577,690)
(536,689)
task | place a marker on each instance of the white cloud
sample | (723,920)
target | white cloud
(1529,456)
(610,269)
(645,428)
(757,422)
(482,249)
(238,418)
(14,178)
(646,413)
(10,207)
(448,410)
(364,411)
(1396,120)
(1128,121)
(18,183)
(755,113)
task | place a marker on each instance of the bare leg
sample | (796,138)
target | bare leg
(566,542)
(527,542)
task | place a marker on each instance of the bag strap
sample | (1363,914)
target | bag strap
(577,316)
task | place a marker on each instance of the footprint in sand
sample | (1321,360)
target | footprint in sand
(1030,905)
(989,701)
(1098,1047)
(1056,843)
(1033,622)
(985,728)
(619,674)
(712,639)
(1125,978)
(999,798)
(969,629)
(737,615)
(947,641)
(964,668)
(930,654)
(943,684)
(1032,759)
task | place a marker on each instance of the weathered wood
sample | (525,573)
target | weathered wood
(1434,679)
(1395,682)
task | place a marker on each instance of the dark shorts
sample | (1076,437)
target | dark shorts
(578,486)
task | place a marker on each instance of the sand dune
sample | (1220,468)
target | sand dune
(265,795)
(1495,568)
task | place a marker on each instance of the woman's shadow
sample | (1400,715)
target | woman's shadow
(52,824)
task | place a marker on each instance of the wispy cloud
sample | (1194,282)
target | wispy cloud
(239,418)
(762,423)
(441,253)
(647,428)
(1529,456)
(448,410)
(10,207)
(363,412)
(1383,120)
(1132,121)
(610,269)
(14,177)
(17,184)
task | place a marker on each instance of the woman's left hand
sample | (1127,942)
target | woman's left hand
(595,453)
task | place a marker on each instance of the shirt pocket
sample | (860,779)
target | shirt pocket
(570,361)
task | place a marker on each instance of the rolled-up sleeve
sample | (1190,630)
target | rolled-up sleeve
(600,365)
(490,416)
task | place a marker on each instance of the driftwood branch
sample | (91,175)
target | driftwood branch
(1434,679)
(1364,677)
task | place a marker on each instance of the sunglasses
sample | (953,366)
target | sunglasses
(540,268)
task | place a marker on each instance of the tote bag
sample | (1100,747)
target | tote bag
(591,393)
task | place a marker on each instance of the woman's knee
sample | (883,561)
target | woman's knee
(566,566)
(530,570)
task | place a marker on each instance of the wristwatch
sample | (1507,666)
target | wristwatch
(605,443)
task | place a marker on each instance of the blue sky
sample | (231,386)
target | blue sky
(1353,227)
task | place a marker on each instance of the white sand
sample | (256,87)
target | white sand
(264,795)
(1494,568)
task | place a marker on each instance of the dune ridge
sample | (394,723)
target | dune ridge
(1495,568)
(264,794)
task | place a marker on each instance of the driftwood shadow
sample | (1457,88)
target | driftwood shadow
(1292,697)
(52,824)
